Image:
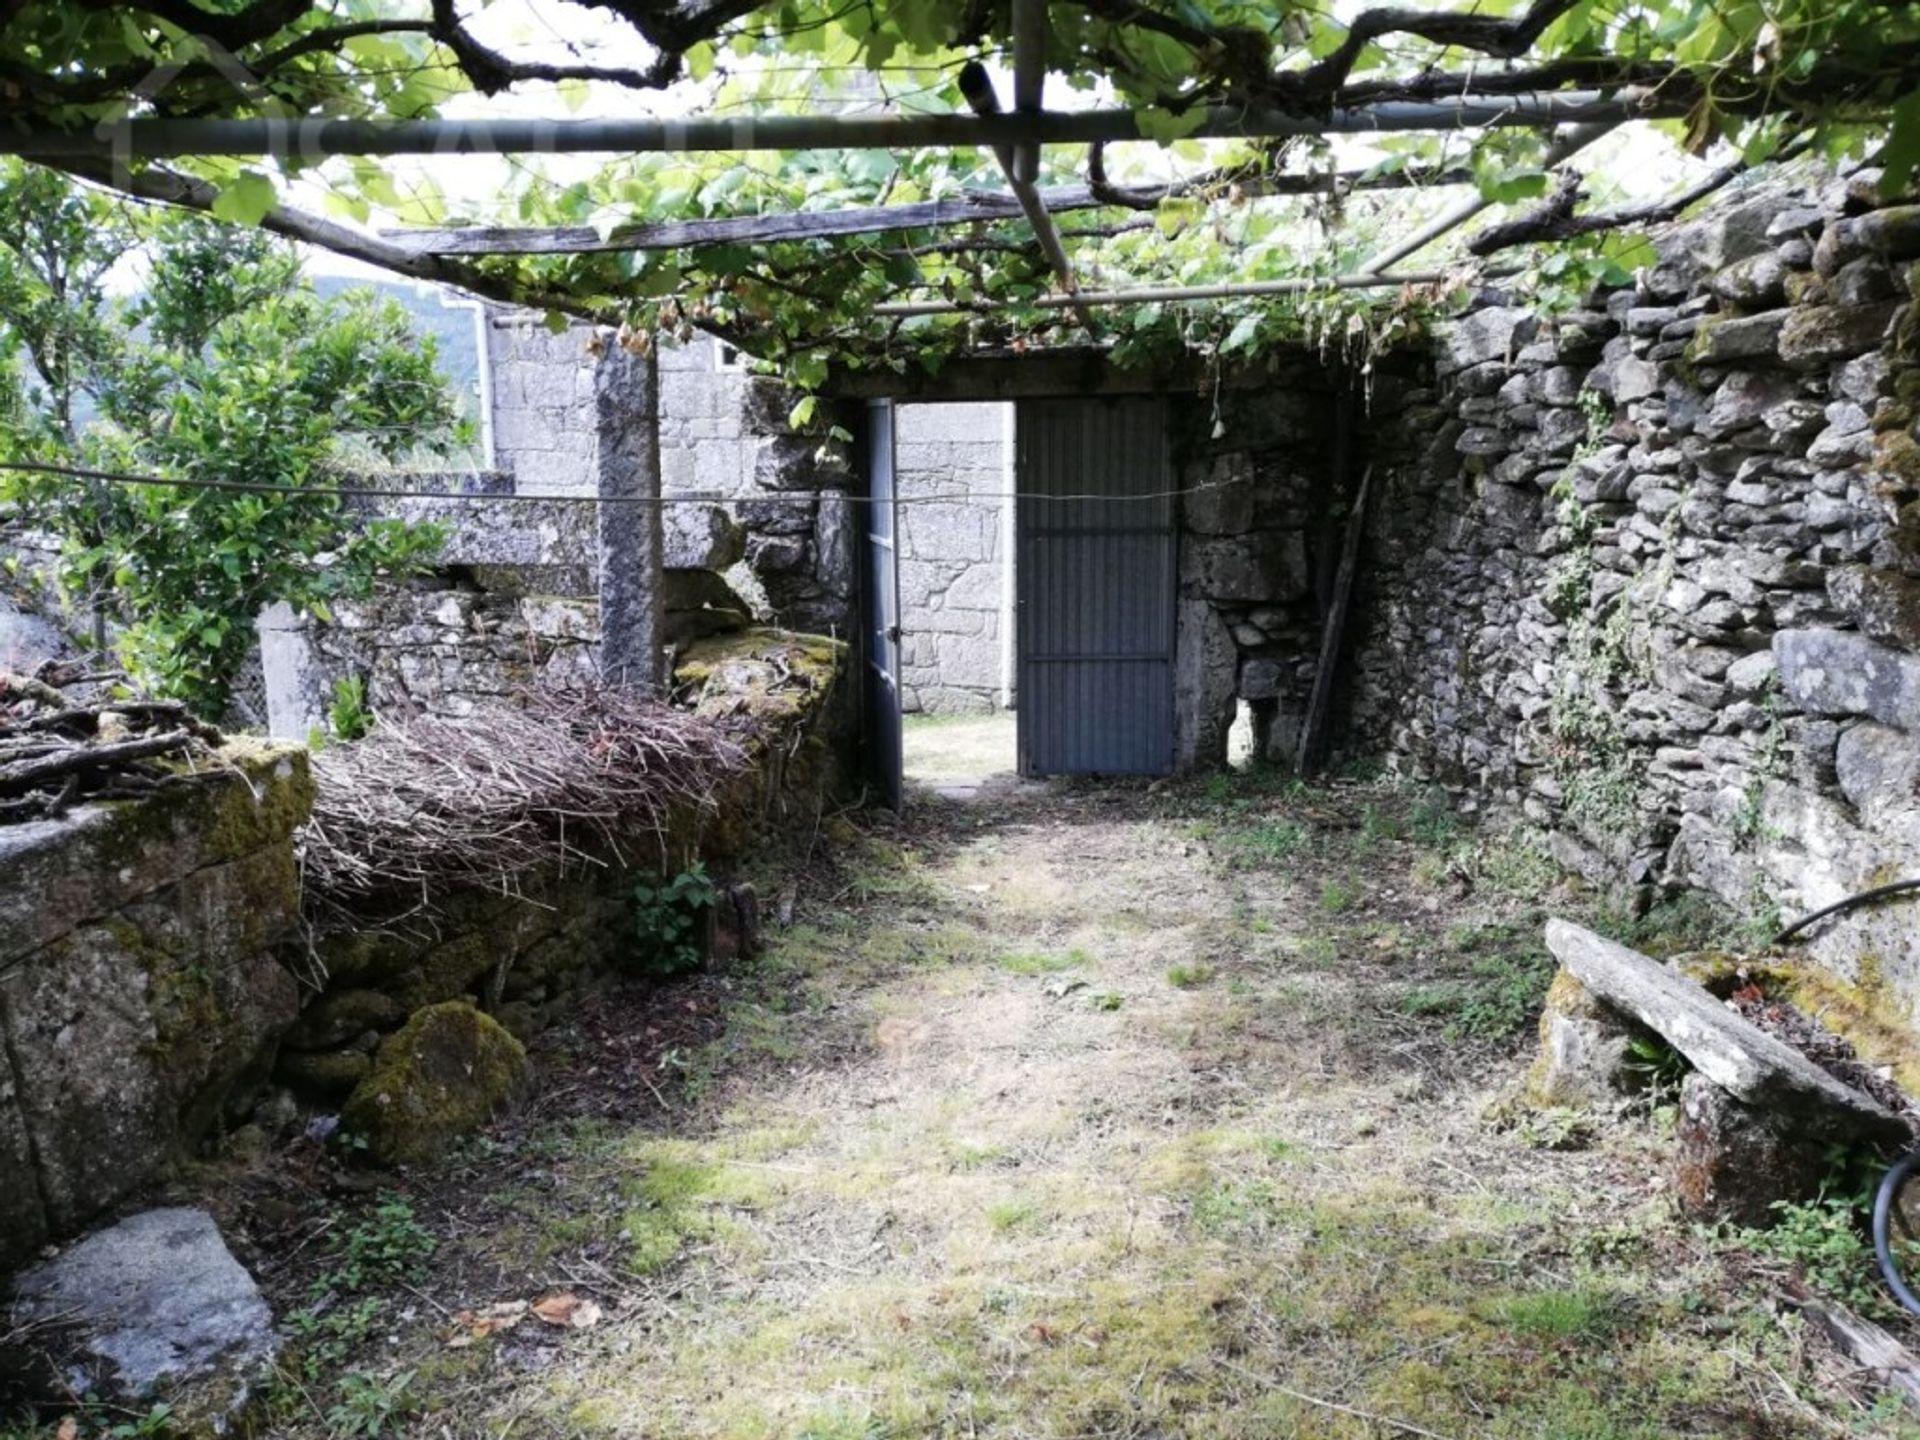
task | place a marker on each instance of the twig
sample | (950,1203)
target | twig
(1405,1427)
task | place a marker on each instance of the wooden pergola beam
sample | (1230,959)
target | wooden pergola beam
(314,139)
(1029,81)
(971,208)
(1156,294)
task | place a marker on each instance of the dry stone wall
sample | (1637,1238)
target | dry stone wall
(1649,573)
(1257,468)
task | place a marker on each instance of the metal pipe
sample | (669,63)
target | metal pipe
(1562,148)
(977,86)
(1146,295)
(1029,80)
(317,139)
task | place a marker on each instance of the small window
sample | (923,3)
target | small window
(727,357)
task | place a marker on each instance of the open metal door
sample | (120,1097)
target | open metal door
(883,610)
(1094,575)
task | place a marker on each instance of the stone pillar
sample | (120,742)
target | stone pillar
(626,464)
(294,676)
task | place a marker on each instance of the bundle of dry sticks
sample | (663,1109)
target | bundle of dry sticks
(56,751)
(578,776)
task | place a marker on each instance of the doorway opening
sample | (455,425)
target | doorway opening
(1021,568)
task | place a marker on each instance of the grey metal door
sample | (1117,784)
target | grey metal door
(883,610)
(1094,575)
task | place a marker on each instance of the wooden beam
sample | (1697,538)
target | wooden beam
(311,140)
(1333,636)
(971,208)
(1158,294)
(1562,148)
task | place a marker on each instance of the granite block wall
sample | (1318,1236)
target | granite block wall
(956,554)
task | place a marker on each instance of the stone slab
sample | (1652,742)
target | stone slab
(154,1301)
(1736,1055)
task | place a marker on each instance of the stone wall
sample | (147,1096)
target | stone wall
(1257,466)
(523,957)
(140,989)
(1649,574)
(956,557)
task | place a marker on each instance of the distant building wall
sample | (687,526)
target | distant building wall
(955,557)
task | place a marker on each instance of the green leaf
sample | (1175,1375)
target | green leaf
(1901,154)
(246,199)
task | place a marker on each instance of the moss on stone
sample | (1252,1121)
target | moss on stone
(323,1074)
(444,1073)
(339,1015)
(269,796)
(1864,1011)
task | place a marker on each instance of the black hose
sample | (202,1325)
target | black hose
(1882,1220)
(1898,887)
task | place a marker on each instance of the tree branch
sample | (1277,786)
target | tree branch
(1553,218)
(1503,39)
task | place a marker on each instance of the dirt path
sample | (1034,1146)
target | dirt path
(1112,1114)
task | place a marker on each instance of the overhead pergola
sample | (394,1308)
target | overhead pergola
(292,82)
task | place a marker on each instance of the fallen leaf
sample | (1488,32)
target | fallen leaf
(574,1312)
(471,1326)
(69,1429)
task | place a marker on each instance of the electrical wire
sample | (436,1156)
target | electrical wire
(372,492)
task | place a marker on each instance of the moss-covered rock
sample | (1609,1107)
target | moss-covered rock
(1583,1049)
(339,1015)
(442,1074)
(323,1074)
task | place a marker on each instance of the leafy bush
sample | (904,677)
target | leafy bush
(667,920)
(227,372)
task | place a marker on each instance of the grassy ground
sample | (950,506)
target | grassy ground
(1072,1113)
(959,750)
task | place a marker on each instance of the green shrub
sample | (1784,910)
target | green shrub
(667,920)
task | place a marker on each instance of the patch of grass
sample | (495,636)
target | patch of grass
(1108,1000)
(1501,993)
(1690,920)
(1239,1209)
(1189,977)
(1009,1215)
(1317,952)
(1035,962)
(1558,1316)
(680,1195)
(1380,822)
(1340,894)
(1433,823)
(1266,842)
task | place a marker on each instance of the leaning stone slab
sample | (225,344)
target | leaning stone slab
(154,1305)
(1736,1055)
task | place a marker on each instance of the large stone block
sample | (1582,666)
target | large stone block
(1885,604)
(154,1306)
(1495,333)
(701,537)
(1816,335)
(1265,566)
(1838,672)
(130,1031)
